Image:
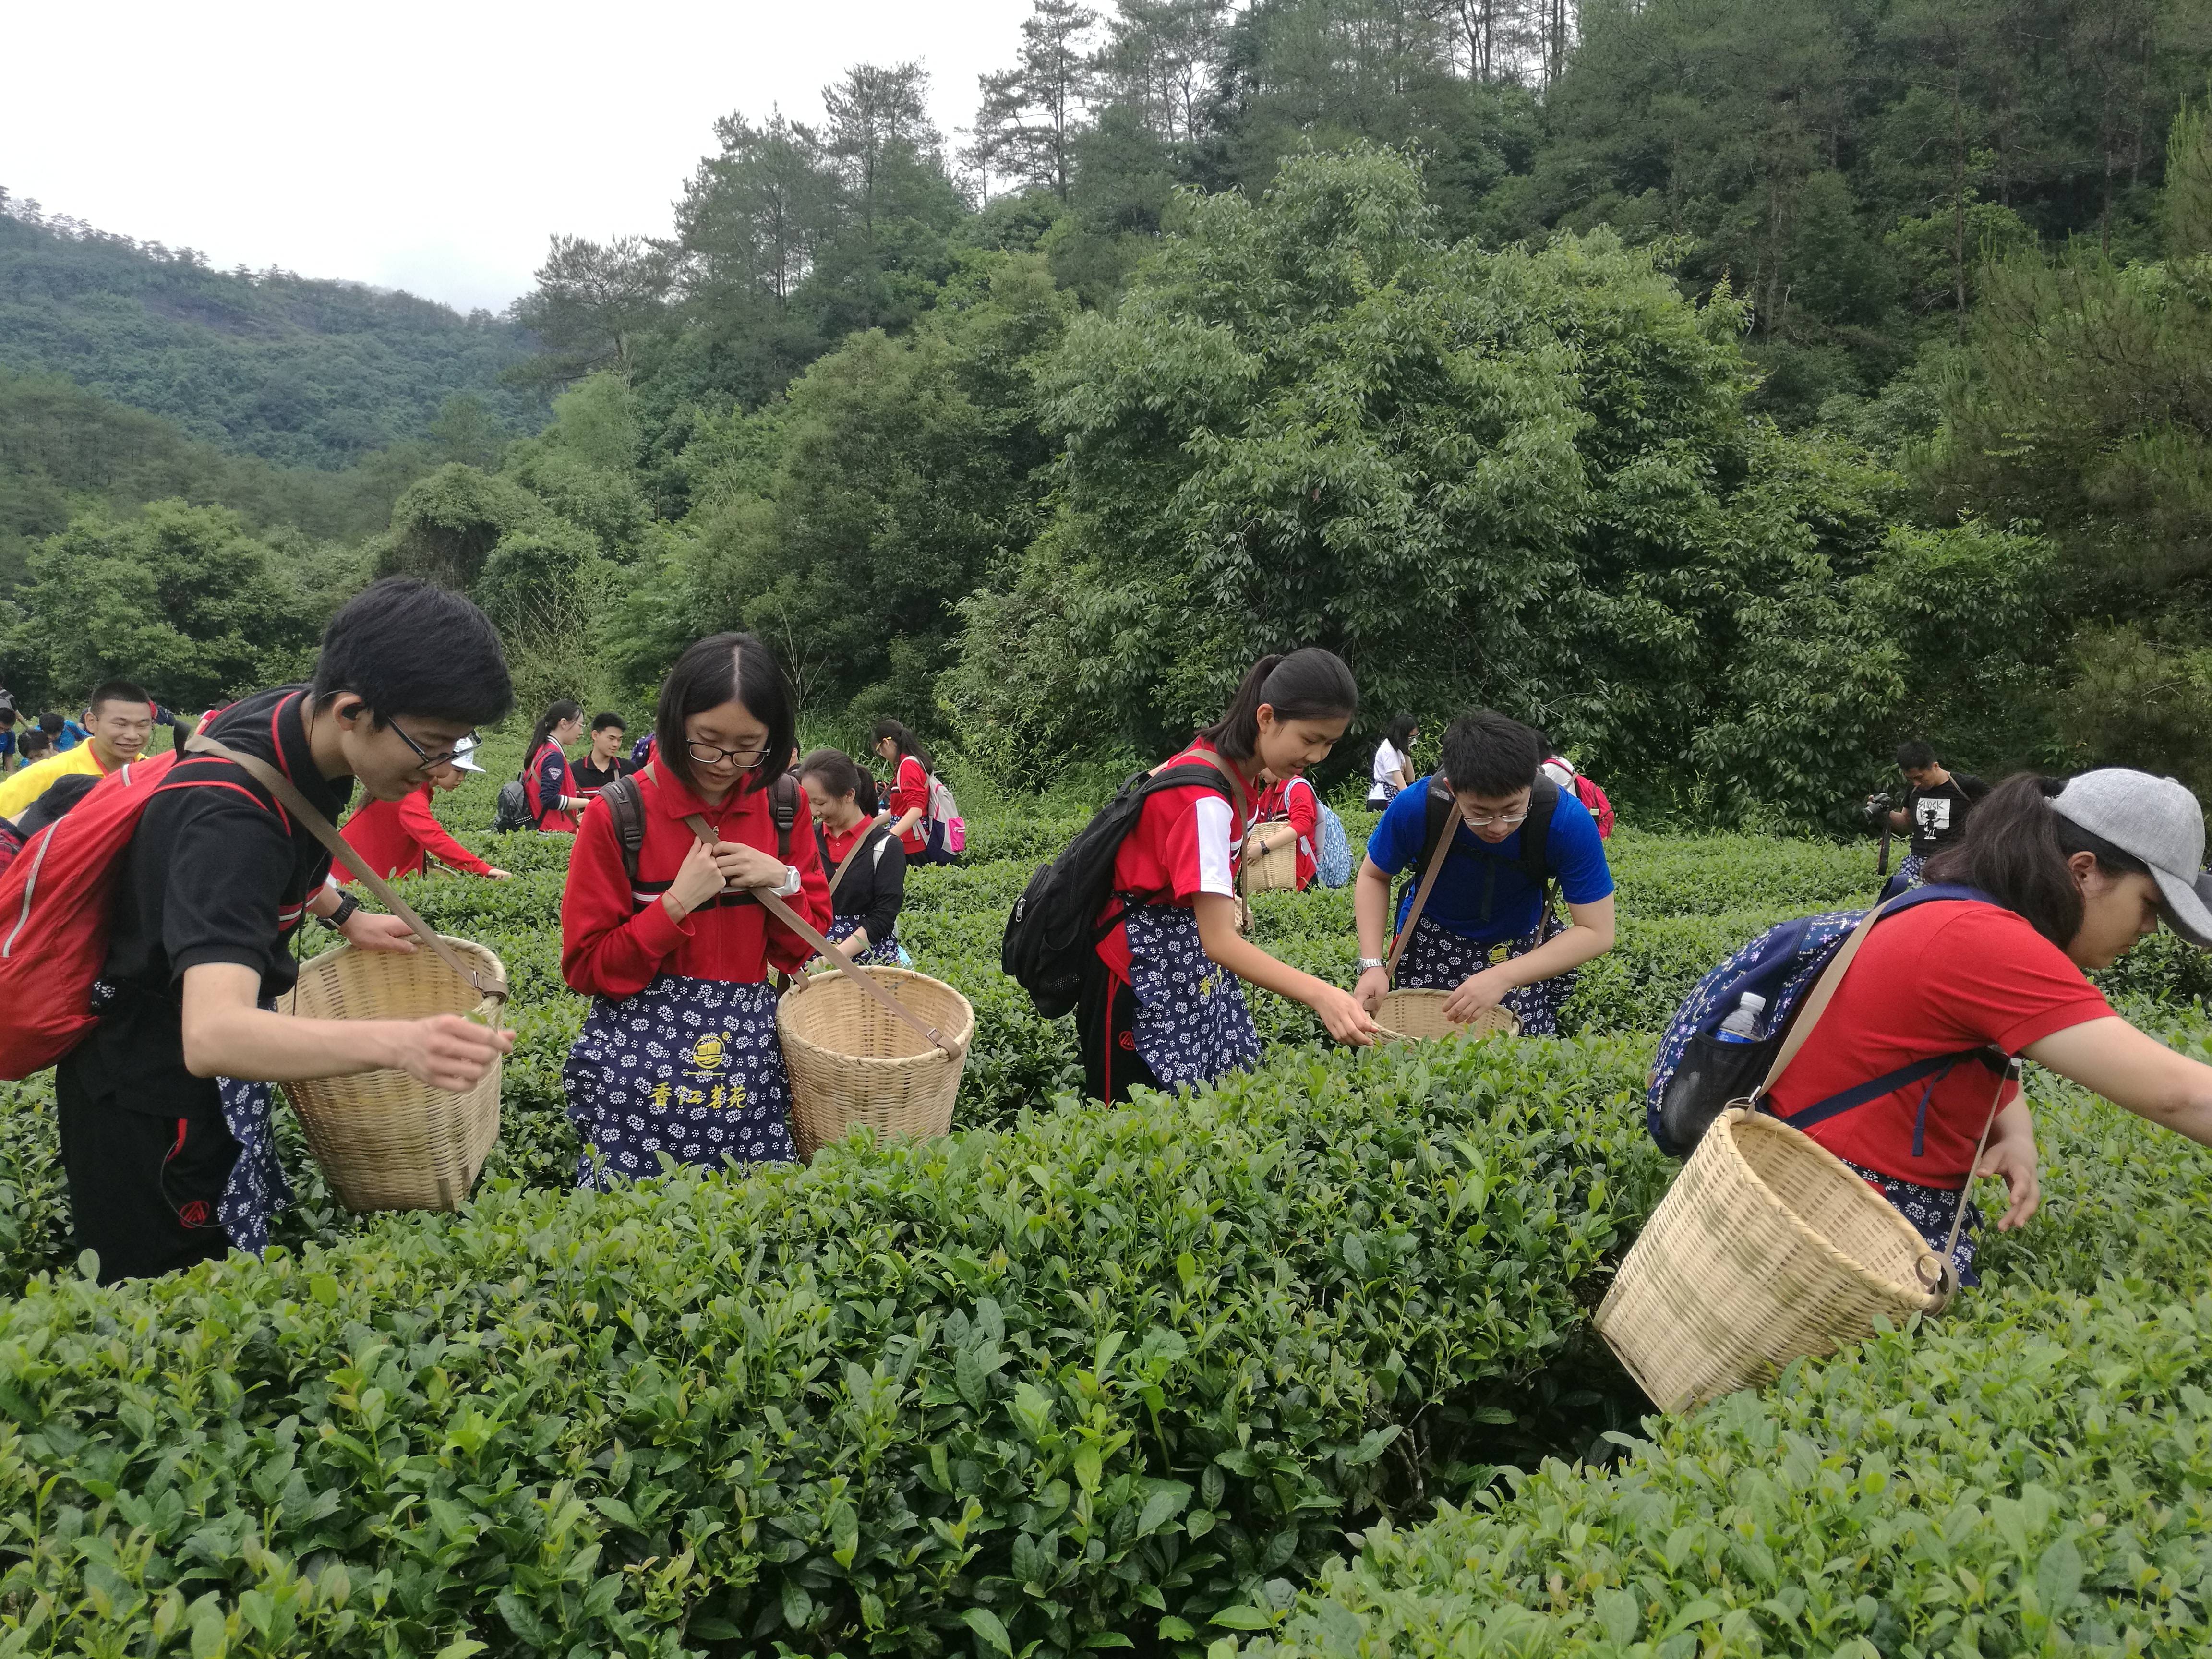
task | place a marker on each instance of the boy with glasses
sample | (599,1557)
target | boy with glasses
(1497,834)
(164,1107)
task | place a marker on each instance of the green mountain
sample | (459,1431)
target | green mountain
(295,371)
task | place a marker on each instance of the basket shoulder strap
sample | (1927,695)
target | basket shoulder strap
(1421,893)
(1824,992)
(860,845)
(341,849)
(773,904)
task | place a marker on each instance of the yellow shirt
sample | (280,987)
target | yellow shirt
(17,793)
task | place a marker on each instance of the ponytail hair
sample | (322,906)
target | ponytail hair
(841,776)
(2015,850)
(1308,684)
(906,742)
(555,714)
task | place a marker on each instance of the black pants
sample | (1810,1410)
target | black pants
(1105,1032)
(143,1186)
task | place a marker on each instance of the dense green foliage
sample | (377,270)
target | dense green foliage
(1066,1376)
(298,372)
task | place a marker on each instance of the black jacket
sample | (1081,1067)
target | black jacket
(875,887)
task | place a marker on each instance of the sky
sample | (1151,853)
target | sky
(432,146)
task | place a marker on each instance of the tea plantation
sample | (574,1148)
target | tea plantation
(1301,1362)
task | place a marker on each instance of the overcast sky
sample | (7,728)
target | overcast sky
(432,146)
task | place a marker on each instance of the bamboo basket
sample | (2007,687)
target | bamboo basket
(1418,1016)
(385,1141)
(852,1061)
(1767,1249)
(1274,871)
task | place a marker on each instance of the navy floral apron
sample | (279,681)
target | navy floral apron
(1437,959)
(1192,1025)
(1929,1209)
(885,952)
(691,1067)
(257,1188)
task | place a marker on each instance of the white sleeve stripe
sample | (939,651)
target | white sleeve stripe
(1214,824)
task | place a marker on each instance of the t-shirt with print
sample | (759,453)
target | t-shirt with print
(1938,816)
(1941,978)
(214,872)
(1482,893)
(1187,842)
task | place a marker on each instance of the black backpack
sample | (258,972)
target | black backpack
(512,810)
(627,807)
(1535,841)
(1054,931)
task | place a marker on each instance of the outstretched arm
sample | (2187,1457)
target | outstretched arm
(2133,1071)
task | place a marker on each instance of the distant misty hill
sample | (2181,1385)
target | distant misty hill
(298,372)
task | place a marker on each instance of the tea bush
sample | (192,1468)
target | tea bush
(1094,1374)
(2025,1476)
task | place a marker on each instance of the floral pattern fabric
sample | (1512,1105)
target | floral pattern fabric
(1192,1024)
(691,1067)
(1931,1209)
(257,1188)
(1437,959)
(885,952)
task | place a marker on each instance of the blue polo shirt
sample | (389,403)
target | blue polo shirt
(1574,854)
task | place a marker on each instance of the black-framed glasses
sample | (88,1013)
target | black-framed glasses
(430,763)
(707,754)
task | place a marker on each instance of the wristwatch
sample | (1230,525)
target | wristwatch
(337,919)
(790,882)
(1366,963)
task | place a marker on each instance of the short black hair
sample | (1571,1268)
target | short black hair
(726,668)
(51,724)
(404,647)
(602,722)
(1491,755)
(1913,754)
(118,691)
(37,741)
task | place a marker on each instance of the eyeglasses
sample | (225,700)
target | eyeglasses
(1502,820)
(708,755)
(430,763)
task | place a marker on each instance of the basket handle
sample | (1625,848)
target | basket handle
(790,918)
(296,804)
(1947,1273)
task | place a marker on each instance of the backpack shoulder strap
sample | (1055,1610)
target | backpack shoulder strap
(1536,831)
(626,807)
(783,805)
(868,837)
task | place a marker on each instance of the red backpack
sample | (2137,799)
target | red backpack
(1589,795)
(56,897)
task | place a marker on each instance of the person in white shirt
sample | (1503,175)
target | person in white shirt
(1394,761)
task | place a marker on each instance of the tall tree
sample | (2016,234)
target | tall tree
(1162,58)
(1031,113)
(593,302)
(881,136)
(753,217)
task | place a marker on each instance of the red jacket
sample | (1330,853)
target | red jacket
(615,939)
(392,835)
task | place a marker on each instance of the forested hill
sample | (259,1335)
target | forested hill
(296,371)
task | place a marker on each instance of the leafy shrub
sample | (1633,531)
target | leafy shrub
(1098,1371)
(2026,1480)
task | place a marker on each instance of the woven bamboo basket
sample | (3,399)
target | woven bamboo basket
(852,1061)
(1274,871)
(385,1141)
(1767,1249)
(1418,1016)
